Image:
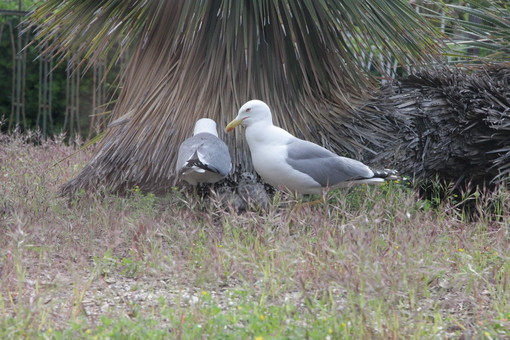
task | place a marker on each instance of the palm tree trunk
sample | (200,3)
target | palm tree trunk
(169,85)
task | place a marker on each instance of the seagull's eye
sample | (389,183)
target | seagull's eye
(248,109)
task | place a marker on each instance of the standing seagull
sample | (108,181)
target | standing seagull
(283,160)
(203,158)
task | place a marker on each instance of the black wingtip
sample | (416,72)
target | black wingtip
(195,161)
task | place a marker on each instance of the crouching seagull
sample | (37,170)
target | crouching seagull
(203,158)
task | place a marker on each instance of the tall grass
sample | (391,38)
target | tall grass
(372,262)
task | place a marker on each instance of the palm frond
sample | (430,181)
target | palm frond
(482,25)
(448,123)
(91,29)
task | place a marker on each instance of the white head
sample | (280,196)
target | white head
(251,112)
(205,125)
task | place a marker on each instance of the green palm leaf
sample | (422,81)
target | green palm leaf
(483,25)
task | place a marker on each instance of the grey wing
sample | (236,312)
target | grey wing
(186,151)
(214,153)
(205,151)
(324,166)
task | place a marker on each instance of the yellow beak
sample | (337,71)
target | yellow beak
(233,124)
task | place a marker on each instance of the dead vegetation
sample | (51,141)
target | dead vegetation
(446,123)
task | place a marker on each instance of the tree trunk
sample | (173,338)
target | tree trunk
(170,84)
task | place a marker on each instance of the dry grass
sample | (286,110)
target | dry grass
(373,263)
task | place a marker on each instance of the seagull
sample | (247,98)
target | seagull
(296,165)
(203,158)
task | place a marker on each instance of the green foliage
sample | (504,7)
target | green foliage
(144,202)
(32,84)
(14,5)
(478,29)
(110,264)
(248,320)
(9,31)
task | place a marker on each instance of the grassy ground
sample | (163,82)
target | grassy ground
(374,263)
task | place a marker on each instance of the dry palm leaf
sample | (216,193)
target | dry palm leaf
(446,122)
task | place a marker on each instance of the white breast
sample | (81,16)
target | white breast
(268,147)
